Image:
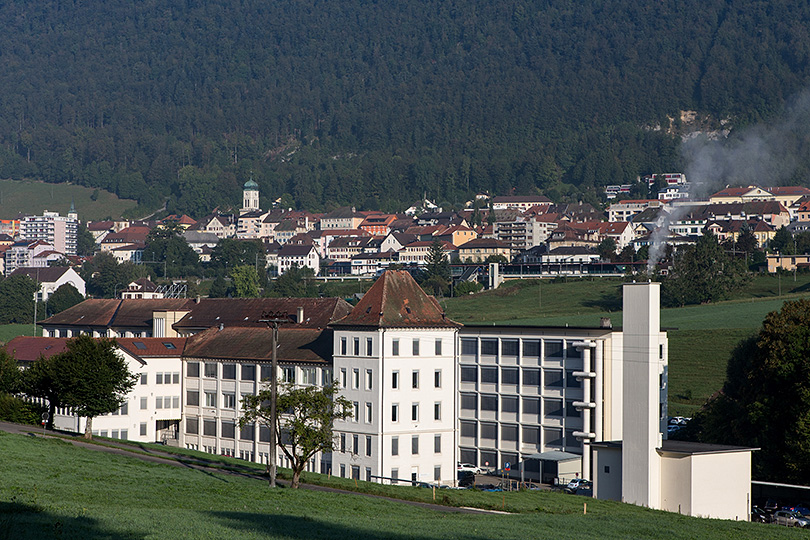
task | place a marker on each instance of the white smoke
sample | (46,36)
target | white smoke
(763,155)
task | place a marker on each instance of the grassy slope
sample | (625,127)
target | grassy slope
(35,197)
(49,489)
(699,345)
(10,331)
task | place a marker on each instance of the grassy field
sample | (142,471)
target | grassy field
(700,337)
(50,489)
(10,331)
(35,197)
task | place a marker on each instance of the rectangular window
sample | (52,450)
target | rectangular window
(437,411)
(553,349)
(368,474)
(509,432)
(489,375)
(415,379)
(193,398)
(368,413)
(176,378)
(395,380)
(159,402)
(531,435)
(343,381)
(437,378)
(509,375)
(247,432)
(228,429)
(266,372)
(395,412)
(343,346)
(531,406)
(143,428)
(416,346)
(309,376)
(342,470)
(369,347)
(355,472)
(531,377)
(326,376)
(571,381)
(229,400)
(469,402)
(356,348)
(144,378)
(248,373)
(489,402)
(394,446)
(415,412)
(368,445)
(394,476)
(553,378)
(437,473)
(355,378)
(368,379)
(489,431)
(175,402)
(355,444)
(489,347)
(395,347)
(437,444)
(210,369)
(415,444)
(355,411)
(289,375)
(509,347)
(193,369)
(210,399)
(509,404)
(210,427)
(468,429)
(553,407)
(469,346)
(438,347)
(144,403)
(469,374)
(264,434)
(342,442)
(158,378)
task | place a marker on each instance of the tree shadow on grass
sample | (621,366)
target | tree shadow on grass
(608,301)
(297,527)
(20,521)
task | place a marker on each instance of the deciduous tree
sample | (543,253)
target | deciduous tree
(304,420)
(245,282)
(62,298)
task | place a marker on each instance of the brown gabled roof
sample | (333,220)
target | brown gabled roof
(396,301)
(309,345)
(246,312)
(30,349)
(138,312)
(153,347)
(49,274)
(92,312)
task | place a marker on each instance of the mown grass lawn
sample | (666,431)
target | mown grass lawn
(50,489)
(33,197)
(10,331)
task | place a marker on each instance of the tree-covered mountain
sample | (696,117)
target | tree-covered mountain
(373,103)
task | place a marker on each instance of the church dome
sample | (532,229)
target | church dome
(250,184)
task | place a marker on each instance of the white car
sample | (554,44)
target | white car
(469,467)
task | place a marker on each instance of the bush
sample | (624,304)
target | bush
(13,409)
(467,287)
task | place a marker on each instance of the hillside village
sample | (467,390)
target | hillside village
(526,230)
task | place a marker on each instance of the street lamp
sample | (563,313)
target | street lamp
(273,320)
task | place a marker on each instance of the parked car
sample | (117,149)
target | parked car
(803,510)
(759,515)
(469,467)
(789,518)
(578,484)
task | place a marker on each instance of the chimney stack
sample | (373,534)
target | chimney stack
(300,315)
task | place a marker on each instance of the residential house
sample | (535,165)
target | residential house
(480,249)
(25,254)
(519,202)
(625,210)
(342,218)
(378,224)
(302,256)
(127,237)
(222,225)
(141,288)
(417,252)
(51,278)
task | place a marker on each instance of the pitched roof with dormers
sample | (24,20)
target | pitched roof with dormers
(397,301)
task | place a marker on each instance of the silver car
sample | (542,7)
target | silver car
(789,518)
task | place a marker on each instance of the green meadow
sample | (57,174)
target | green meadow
(34,197)
(51,489)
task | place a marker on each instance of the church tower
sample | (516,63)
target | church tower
(250,196)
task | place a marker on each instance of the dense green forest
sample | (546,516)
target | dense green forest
(373,103)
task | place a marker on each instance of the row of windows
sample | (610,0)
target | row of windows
(309,375)
(227,429)
(228,399)
(369,347)
(552,378)
(529,434)
(162,378)
(395,382)
(552,407)
(113,434)
(355,444)
(394,478)
(532,348)
(437,411)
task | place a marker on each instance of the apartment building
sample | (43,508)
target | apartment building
(59,231)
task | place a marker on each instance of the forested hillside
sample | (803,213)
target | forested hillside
(369,102)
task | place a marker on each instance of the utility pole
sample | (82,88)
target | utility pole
(272,320)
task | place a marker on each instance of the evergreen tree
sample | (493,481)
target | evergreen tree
(436,274)
(62,298)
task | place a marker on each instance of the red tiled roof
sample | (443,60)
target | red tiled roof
(92,312)
(151,347)
(396,301)
(29,349)
(310,345)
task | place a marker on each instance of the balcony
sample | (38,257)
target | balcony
(584,435)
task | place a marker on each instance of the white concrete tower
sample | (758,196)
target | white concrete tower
(643,370)
(250,197)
